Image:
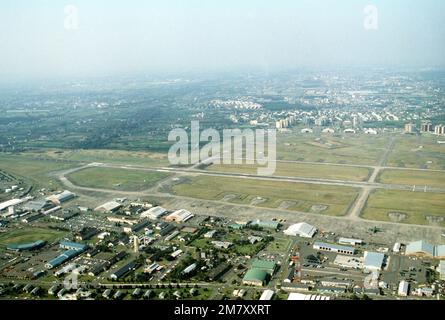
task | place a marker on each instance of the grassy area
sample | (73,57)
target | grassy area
(412,177)
(148,159)
(116,179)
(407,207)
(350,149)
(278,245)
(301,170)
(418,152)
(26,235)
(34,171)
(297,196)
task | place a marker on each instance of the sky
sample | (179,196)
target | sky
(39,38)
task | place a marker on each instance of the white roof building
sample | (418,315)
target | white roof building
(373,261)
(403,288)
(301,229)
(350,241)
(397,247)
(109,206)
(302,296)
(442,269)
(267,295)
(181,215)
(154,213)
(61,197)
(422,248)
(9,203)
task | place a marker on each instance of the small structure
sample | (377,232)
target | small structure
(442,269)
(267,295)
(403,288)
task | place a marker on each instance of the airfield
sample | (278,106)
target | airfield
(347,182)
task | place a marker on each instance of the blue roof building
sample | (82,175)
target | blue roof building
(26,246)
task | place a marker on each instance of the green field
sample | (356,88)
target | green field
(116,179)
(417,152)
(27,235)
(350,149)
(302,170)
(34,171)
(333,200)
(412,177)
(406,207)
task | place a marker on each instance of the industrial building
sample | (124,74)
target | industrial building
(87,233)
(64,216)
(154,213)
(267,295)
(301,229)
(333,248)
(274,225)
(268,266)
(181,215)
(137,227)
(5,205)
(73,250)
(424,249)
(350,241)
(403,290)
(373,261)
(124,270)
(259,273)
(109,207)
(255,277)
(26,246)
(442,269)
(64,257)
(302,296)
(69,245)
(37,205)
(190,268)
(62,197)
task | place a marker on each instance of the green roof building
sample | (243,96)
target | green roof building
(266,224)
(255,277)
(265,265)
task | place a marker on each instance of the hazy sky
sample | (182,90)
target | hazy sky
(183,35)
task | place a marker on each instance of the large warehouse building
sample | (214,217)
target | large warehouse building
(333,248)
(424,249)
(301,229)
(373,261)
(181,215)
